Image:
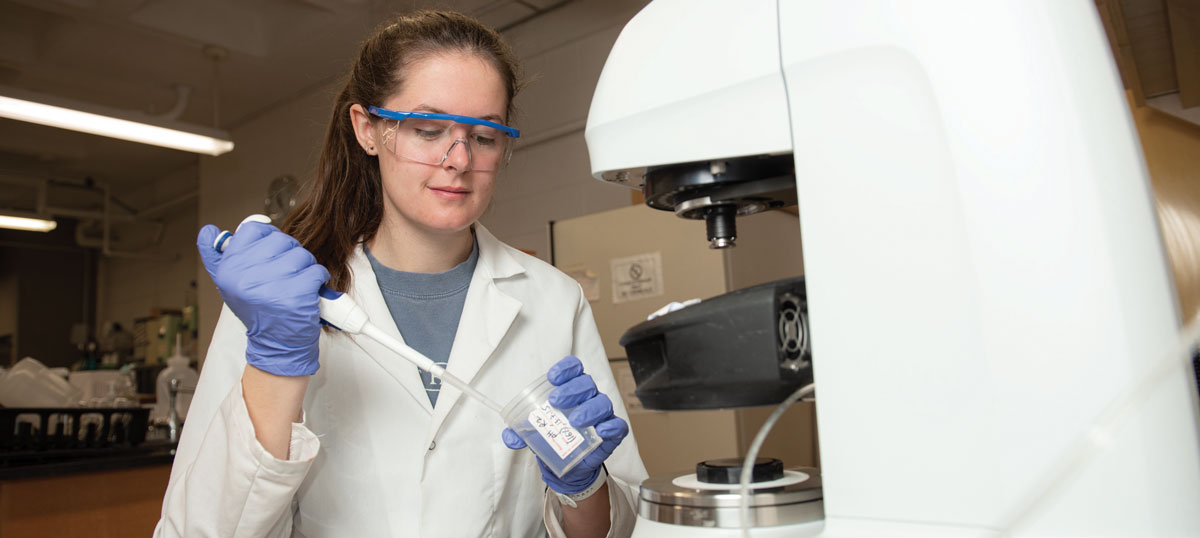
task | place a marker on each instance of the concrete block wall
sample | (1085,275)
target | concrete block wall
(550,175)
(550,181)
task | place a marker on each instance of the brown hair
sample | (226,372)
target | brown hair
(345,204)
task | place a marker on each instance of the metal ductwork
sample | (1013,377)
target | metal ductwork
(99,229)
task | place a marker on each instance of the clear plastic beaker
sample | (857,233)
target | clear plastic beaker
(546,430)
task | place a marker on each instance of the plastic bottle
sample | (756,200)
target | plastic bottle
(30,384)
(177,368)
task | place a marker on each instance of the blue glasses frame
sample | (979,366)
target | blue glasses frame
(401,116)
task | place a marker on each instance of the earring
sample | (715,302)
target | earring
(370,148)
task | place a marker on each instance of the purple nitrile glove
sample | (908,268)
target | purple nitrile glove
(575,388)
(270,282)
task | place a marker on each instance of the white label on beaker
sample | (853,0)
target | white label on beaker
(554,427)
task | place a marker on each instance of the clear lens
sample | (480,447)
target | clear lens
(432,142)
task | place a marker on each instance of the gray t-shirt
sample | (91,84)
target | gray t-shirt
(426,308)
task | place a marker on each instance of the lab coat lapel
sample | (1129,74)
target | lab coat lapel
(366,293)
(486,317)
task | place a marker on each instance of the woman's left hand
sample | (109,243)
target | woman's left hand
(592,408)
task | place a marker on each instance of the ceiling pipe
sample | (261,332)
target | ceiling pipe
(42,185)
(105,244)
(169,204)
(106,216)
(87,184)
(85,214)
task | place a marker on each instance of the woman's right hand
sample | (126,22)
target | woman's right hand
(270,282)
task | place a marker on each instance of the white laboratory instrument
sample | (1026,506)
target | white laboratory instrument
(987,288)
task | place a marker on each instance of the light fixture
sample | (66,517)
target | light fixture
(62,113)
(29,223)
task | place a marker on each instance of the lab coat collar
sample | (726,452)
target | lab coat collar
(494,256)
(487,315)
(365,291)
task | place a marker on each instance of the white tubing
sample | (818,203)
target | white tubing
(752,454)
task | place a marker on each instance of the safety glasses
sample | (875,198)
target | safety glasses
(429,138)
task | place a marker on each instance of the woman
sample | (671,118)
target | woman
(298,431)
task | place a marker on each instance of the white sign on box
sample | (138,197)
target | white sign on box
(636,277)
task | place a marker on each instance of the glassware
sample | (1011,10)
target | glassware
(546,430)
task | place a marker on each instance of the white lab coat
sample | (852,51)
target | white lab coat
(373,458)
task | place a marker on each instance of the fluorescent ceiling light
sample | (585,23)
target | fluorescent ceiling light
(26,223)
(57,112)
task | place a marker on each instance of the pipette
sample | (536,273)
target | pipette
(341,312)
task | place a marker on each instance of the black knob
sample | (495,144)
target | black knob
(729,470)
